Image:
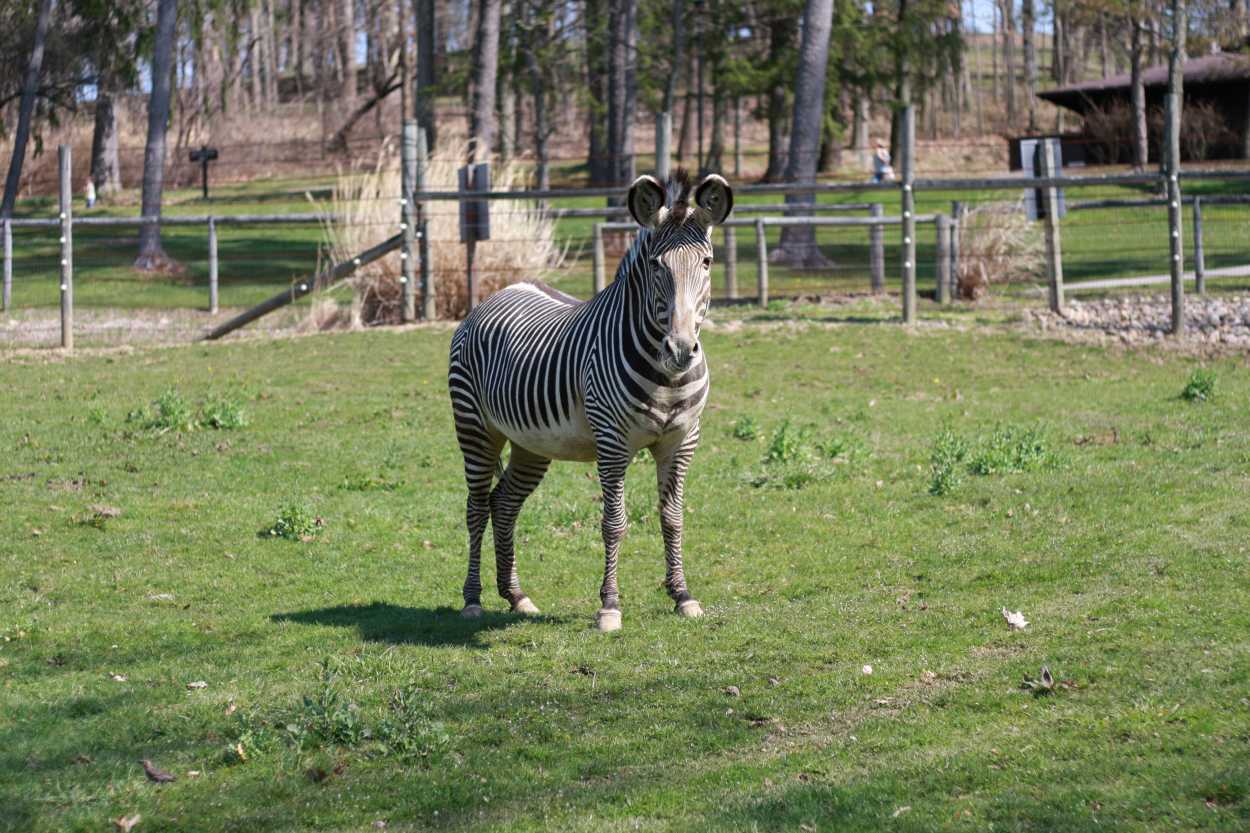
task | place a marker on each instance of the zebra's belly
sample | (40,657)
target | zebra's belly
(566,441)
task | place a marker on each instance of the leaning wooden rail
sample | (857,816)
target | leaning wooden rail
(183,220)
(322,281)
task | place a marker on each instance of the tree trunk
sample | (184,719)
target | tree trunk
(781,31)
(622,87)
(483,124)
(347,49)
(1028,24)
(598,164)
(1103,46)
(1009,60)
(902,76)
(152,257)
(715,162)
(507,115)
(1140,136)
(798,243)
(30,85)
(687,112)
(1176,75)
(423,99)
(105,166)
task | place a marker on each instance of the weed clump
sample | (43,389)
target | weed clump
(1010,449)
(946,463)
(296,523)
(171,412)
(746,428)
(796,458)
(1200,387)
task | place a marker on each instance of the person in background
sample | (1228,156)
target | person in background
(881,168)
(90,193)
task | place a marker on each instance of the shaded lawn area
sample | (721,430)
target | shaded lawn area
(343,688)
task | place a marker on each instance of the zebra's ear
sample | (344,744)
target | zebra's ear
(715,197)
(646,201)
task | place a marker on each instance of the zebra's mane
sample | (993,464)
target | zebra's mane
(677,196)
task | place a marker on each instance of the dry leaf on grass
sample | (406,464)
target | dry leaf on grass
(127,823)
(197,684)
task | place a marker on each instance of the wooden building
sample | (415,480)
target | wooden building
(1215,122)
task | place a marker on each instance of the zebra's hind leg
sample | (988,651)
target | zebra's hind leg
(525,471)
(480,448)
(612,465)
(671,463)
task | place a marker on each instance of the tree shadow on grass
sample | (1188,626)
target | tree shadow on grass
(397,625)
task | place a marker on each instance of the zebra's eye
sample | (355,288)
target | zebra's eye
(707,263)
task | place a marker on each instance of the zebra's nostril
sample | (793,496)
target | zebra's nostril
(694,349)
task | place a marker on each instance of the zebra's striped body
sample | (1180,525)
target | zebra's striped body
(600,380)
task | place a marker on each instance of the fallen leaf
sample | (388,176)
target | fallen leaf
(732,691)
(82,759)
(928,677)
(117,678)
(1015,621)
(867,669)
(193,773)
(899,811)
(198,684)
(127,823)
(774,681)
(231,708)
(379,825)
(160,597)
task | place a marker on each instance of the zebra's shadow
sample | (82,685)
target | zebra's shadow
(399,625)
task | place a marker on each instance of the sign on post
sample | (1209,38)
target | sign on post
(204,155)
(1031,151)
(474,220)
(475,214)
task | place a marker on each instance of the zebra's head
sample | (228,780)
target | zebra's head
(675,257)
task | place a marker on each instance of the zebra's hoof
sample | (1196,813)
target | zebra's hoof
(471,612)
(608,620)
(689,609)
(525,607)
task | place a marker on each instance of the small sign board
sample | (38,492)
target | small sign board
(475,214)
(1032,150)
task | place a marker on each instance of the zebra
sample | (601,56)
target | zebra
(562,379)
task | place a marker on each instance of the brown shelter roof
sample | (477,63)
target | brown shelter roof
(1220,68)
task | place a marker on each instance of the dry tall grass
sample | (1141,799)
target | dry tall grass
(365,203)
(998,244)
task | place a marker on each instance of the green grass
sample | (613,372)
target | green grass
(343,688)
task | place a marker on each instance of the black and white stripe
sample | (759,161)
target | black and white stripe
(600,380)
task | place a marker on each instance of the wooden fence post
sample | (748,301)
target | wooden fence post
(67,249)
(597,280)
(663,145)
(8,264)
(212,266)
(1054,242)
(761,255)
(407,220)
(731,263)
(876,250)
(942,226)
(1172,167)
(429,309)
(907,146)
(1200,260)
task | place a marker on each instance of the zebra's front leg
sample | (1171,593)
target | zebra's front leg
(612,465)
(671,463)
(525,471)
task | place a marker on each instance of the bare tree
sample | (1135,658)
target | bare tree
(622,86)
(152,256)
(1028,25)
(483,123)
(26,109)
(798,243)
(105,165)
(1138,95)
(423,101)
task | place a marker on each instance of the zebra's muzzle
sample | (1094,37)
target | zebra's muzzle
(680,353)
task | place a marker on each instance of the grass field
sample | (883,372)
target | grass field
(341,687)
